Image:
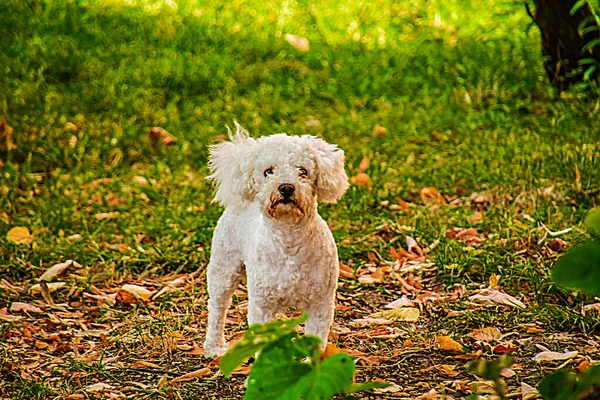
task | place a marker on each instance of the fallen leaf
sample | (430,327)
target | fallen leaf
(494,280)
(361,180)
(158,135)
(19,235)
(389,389)
(408,314)
(106,215)
(549,356)
(364,164)
(469,236)
(503,349)
(52,287)
(162,382)
(58,269)
(374,277)
(450,345)
(401,302)
(507,373)
(448,370)
(346,271)
(369,321)
(299,43)
(582,366)
(202,372)
(430,195)
(489,296)
(99,387)
(6,137)
(138,292)
(528,392)
(379,131)
(4,216)
(490,334)
(25,307)
(329,351)
(591,307)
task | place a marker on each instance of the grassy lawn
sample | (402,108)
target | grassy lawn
(449,95)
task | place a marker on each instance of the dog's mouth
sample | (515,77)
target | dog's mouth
(284,207)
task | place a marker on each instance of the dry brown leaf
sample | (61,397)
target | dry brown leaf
(364,164)
(361,180)
(430,195)
(373,277)
(450,345)
(346,271)
(25,307)
(158,136)
(401,302)
(503,349)
(99,387)
(369,321)
(582,366)
(591,307)
(448,370)
(476,218)
(52,287)
(200,373)
(19,235)
(408,314)
(490,296)
(469,236)
(490,334)
(6,137)
(528,392)
(58,269)
(162,382)
(299,43)
(379,131)
(549,356)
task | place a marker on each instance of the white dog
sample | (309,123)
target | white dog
(271,231)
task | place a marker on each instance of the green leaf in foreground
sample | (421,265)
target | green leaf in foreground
(489,369)
(579,268)
(324,380)
(255,339)
(565,385)
(592,222)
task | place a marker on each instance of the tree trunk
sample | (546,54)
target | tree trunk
(562,44)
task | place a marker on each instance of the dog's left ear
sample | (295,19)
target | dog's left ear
(332,180)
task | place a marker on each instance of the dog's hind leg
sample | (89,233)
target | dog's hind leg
(223,279)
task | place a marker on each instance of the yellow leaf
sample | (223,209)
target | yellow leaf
(450,345)
(137,291)
(494,280)
(379,131)
(408,314)
(19,235)
(52,287)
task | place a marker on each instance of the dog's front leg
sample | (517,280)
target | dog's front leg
(320,318)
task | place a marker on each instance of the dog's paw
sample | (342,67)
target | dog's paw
(214,350)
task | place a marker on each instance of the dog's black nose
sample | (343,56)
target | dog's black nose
(286,190)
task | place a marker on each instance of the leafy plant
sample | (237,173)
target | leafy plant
(565,385)
(289,365)
(579,268)
(491,370)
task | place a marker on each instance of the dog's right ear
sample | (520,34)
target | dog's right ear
(232,167)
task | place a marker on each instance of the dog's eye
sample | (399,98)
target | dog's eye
(303,171)
(268,171)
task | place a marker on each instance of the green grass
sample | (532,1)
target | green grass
(459,86)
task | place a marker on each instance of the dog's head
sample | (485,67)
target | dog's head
(285,174)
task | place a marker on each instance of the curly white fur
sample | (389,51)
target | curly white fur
(271,231)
